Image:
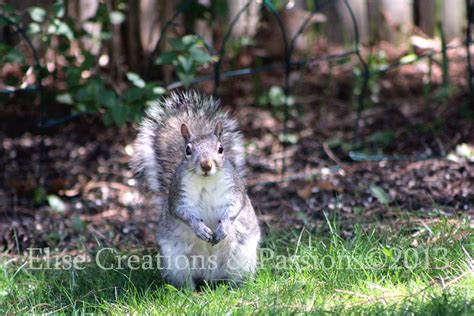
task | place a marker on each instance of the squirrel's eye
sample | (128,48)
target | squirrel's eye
(221,149)
(188,150)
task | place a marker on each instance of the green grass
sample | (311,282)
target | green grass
(419,269)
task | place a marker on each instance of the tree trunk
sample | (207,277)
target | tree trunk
(133,44)
(398,20)
(87,9)
(426,16)
(340,27)
(149,24)
(154,14)
(453,18)
(247,23)
(202,27)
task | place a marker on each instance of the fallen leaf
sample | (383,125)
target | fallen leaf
(380,194)
(56,204)
(327,186)
(305,192)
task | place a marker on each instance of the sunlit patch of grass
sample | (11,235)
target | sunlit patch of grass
(424,268)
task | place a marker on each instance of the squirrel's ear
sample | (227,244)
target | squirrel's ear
(185,132)
(218,130)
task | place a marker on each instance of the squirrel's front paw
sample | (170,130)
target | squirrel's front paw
(220,234)
(202,231)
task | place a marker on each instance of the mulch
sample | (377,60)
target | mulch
(85,164)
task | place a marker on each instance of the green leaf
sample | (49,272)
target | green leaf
(357,210)
(9,11)
(78,224)
(200,56)
(380,194)
(166,58)
(105,35)
(186,78)
(134,94)
(81,95)
(159,90)
(10,54)
(276,96)
(387,252)
(334,142)
(58,27)
(408,58)
(302,217)
(186,63)
(89,61)
(39,195)
(136,80)
(65,98)
(177,44)
(466,151)
(64,29)
(108,98)
(107,118)
(189,40)
(73,76)
(56,204)
(116,17)
(58,9)
(53,236)
(7,8)
(247,41)
(33,28)
(381,138)
(288,138)
(119,115)
(80,107)
(37,14)
(101,14)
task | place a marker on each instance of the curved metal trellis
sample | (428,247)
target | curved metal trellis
(365,75)
(39,89)
(26,38)
(217,65)
(287,65)
(286,88)
(470,24)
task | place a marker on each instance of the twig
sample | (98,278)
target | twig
(458,278)
(355,294)
(39,305)
(334,158)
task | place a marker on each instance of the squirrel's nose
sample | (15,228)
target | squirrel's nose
(206,165)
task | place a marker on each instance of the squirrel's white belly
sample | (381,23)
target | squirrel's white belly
(209,195)
(229,259)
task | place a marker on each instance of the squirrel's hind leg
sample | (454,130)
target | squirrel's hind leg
(238,262)
(176,271)
(176,266)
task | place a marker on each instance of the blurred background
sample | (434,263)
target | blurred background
(361,109)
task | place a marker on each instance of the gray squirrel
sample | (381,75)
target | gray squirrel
(189,161)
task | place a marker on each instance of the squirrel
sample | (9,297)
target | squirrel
(189,161)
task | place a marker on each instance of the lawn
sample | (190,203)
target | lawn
(420,267)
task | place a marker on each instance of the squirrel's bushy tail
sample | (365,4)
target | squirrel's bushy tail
(159,146)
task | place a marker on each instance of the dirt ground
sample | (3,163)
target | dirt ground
(84,163)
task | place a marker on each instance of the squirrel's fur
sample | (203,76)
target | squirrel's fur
(159,145)
(189,162)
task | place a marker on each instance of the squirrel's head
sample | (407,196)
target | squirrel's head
(204,153)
